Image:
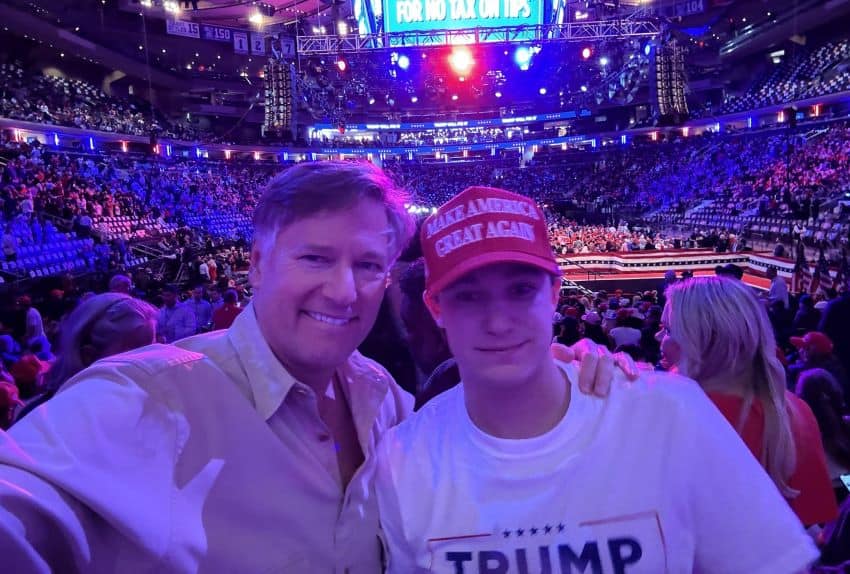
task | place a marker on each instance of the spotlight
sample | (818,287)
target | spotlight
(256,18)
(403,62)
(522,57)
(586,53)
(454,97)
(498,94)
(461,60)
(414,99)
(603,61)
(647,49)
(542,91)
(584,88)
(341,65)
(342,28)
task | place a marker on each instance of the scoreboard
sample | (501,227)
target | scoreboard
(438,15)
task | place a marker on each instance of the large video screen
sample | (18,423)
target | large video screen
(436,15)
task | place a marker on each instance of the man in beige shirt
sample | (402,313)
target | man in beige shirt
(247,450)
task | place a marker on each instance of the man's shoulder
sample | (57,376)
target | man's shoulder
(152,369)
(361,365)
(659,390)
(396,402)
(428,425)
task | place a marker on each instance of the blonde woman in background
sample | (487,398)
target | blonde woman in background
(101,326)
(720,334)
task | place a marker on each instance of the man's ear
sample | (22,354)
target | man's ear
(432,302)
(254,275)
(556,290)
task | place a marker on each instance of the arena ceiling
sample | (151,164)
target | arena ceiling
(237,12)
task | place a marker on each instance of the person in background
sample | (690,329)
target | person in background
(223,316)
(721,335)
(203,269)
(819,389)
(10,244)
(28,373)
(176,320)
(834,323)
(41,348)
(10,351)
(215,295)
(102,326)
(593,328)
(426,340)
(212,268)
(568,331)
(10,402)
(627,331)
(807,317)
(816,352)
(835,548)
(201,308)
(778,292)
(729,270)
(34,325)
(120,284)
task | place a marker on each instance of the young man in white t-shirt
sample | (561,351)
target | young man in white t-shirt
(515,471)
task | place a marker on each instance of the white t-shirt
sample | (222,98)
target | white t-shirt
(778,291)
(652,479)
(625,336)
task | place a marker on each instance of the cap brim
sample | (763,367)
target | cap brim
(484,259)
(797,341)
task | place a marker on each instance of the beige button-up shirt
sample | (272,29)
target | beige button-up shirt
(206,456)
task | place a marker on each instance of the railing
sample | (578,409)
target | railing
(570,284)
(592,274)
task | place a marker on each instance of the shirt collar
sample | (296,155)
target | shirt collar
(364,382)
(269,381)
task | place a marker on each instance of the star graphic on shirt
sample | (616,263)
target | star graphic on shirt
(547,529)
(507,533)
(561,527)
(520,532)
(533,531)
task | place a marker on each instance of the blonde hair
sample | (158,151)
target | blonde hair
(723,329)
(100,326)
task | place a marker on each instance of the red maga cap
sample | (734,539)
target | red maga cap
(481,226)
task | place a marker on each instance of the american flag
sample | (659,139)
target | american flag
(802,280)
(824,279)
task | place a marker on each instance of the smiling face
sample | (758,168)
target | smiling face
(498,321)
(319,285)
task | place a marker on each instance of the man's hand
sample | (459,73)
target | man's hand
(597,365)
